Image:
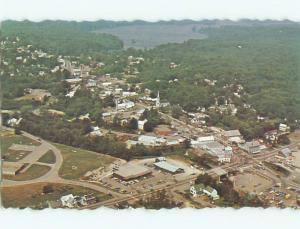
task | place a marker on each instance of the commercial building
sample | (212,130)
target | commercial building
(163,165)
(130,171)
(233,136)
(251,147)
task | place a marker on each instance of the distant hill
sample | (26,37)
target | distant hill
(92,36)
(142,34)
(61,37)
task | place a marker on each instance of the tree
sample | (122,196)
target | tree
(17,131)
(48,189)
(205,179)
(176,111)
(284,140)
(148,126)
(158,200)
(133,124)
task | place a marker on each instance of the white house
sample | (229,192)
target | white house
(125,105)
(128,93)
(14,122)
(199,189)
(68,201)
(283,127)
(141,124)
(96,131)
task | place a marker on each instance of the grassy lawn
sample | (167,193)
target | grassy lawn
(8,138)
(48,158)
(76,162)
(180,157)
(32,195)
(35,171)
(14,156)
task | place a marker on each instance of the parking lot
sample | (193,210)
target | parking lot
(157,178)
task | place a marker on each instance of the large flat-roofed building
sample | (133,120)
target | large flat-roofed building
(251,147)
(11,168)
(233,136)
(130,171)
(163,165)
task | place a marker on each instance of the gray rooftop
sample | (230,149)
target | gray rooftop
(166,166)
(232,133)
(130,170)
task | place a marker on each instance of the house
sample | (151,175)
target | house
(201,141)
(251,147)
(286,152)
(283,127)
(73,80)
(87,199)
(141,124)
(271,136)
(125,105)
(96,131)
(199,189)
(158,159)
(211,192)
(84,117)
(91,83)
(68,201)
(14,122)
(131,143)
(128,93)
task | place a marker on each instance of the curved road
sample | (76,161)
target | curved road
(53,175)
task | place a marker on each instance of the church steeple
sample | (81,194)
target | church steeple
(157,100)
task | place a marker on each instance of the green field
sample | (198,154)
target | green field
(35,171)
(76,162)
(14,156)
(8,138)
(32,195)
(48,158)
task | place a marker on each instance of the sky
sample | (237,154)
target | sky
(150,10)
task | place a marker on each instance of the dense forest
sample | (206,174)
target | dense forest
(61,37)
(265,60)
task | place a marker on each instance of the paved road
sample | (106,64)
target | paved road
(53,175)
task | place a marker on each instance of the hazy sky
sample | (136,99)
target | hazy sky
(149,9)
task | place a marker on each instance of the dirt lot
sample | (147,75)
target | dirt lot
(33,196)
(295,136)
(249,182)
